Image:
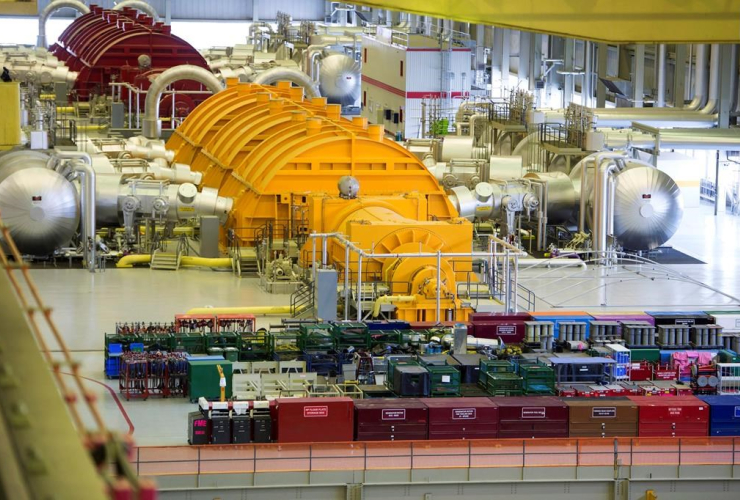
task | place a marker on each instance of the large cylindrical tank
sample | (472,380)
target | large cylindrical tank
(648,206)
(38,205)
(562,203)
(339,79)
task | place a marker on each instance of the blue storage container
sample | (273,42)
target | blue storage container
(113,360)
(724,415)
(375,325)
(559,318)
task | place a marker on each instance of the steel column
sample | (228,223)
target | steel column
(679,76)
(601,71)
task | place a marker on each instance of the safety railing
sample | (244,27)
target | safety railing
(408,455)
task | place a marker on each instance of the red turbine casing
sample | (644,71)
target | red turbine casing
(105,44)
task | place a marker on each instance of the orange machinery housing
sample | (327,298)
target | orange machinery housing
(280,157)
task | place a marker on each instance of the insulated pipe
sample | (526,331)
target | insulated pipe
(50,9)
(152,125)
(82,165)
(473,119)
(189,260)
(700,80)
(662,50)
(139,5)
(274,75)
(604,167)
(389,299)
(710,139)
(262,310)
(129,261)
(711,105)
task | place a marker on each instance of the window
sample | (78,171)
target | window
(364,55)
(401,68)
(364,97)
(400,115)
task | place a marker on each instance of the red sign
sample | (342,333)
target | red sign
(533,412)
(393,414)
(315,411)
(463,414)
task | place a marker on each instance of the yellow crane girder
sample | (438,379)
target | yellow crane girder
(652,21)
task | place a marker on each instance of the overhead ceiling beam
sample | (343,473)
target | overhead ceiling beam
(651,21)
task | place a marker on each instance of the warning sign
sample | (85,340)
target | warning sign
(463,414)
(315,411)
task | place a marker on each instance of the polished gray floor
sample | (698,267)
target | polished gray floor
(86,305)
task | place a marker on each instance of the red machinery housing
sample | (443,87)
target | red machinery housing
(105,45)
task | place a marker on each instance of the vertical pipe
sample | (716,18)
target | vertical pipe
(346,282)
(587,70)
(324,256)
(507,294)
(439,285)
(716,183)
(359,286)
(638,77)
(515,272)
(313,261)
(660,84)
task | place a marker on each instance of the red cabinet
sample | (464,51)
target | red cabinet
(678,416)
(527,417)
(390,419)
(314,420)
(462,418)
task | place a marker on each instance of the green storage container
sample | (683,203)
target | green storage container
(215,351)
(203,379)
(231,354)
(222,340)
(537,379)
(444,381)
(255,346)
(347,335)
(726,356)
(189,342)
(493,366)
(503,384)
(315,337)
(651,355)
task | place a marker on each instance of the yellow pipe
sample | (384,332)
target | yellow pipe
(387,299)
(130,260)
(186,260)
(92,127)
(241,310)
(65,109)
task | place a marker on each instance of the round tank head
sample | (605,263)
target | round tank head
(40,208)
(648,208)
(339,79)
(349,187)
(144,61)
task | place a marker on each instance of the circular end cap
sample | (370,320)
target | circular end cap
(483,191)
(187,192)
(37,214)
(647,210)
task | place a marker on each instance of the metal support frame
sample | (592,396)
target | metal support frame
(569,51)
(509,264)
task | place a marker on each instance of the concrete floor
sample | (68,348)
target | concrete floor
(86,306)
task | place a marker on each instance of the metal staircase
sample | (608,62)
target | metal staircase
(165,261)
(302,301)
